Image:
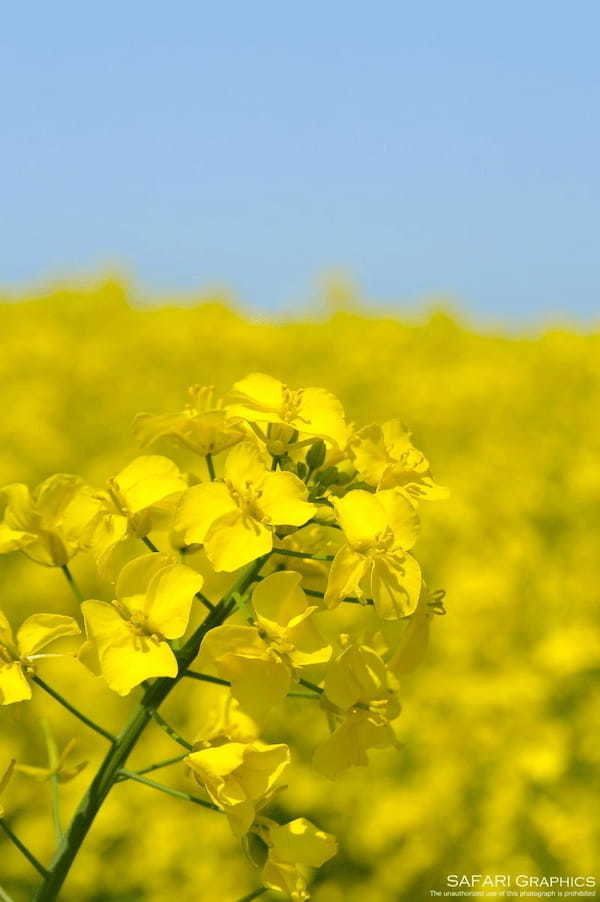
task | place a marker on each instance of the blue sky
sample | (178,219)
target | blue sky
(424,149)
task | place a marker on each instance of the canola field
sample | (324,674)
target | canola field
(499,729)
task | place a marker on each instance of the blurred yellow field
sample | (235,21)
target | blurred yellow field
(499,724)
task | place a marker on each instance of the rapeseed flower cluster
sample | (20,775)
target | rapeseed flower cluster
(271,461)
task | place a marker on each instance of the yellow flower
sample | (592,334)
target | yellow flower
(357,686)
(385,456)
(234,519)
(240,777)
(261,661)
(63,772)
(4,781)
(130,636)
(379,529)
(293,847)
(311,411)
(17,656)
(202,426)
(49,524)
(140,498)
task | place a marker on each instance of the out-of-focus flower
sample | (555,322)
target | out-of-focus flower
(202,426)
(261,661)
(259,398)
(374,563)
(240,777)
(128,639)
(50,524)
(17,656)
(63,771)
(357,685)
(234,519)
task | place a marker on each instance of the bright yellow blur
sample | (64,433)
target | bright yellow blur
(500,722)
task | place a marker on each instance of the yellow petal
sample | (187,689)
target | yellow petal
(147,480)
(300,842)
(126,659)
(309,645)
(19,513)
(14,539)
(135,576)
(348,746)
(6,633)
(169,599)
(13,685)
(235,540)
(345,575)
(395,585)
(409,649)
(54,494)
(284,878)
(198,509)
(264,766)
(279,598)
(258,684)
(361,517)
(245,466)
(322,414)
(358,675)
(284,500)
(401,516)
(39,630)
(257,397)
(369,453)
(126,666)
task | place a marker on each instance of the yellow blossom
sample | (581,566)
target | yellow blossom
(130,637)
(357,686)
(310,411)
(234,519)
(240,777)
(17,656)
(374,563)
(261,661)
(292,848)
(140,498)
(386,457)
(49,524)
(202,426)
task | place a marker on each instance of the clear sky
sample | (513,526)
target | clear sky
(433,148)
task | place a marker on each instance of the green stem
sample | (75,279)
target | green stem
(310,695)
(159,764)
(205,601)
(311,686)
(71,580)
(186,796)
(4,896)
(118,754)
(210,467)
(351,599)
(302,554)
(171,732)
(206,678)
(254,895)
(149,543)
(23,848)
(62,701)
